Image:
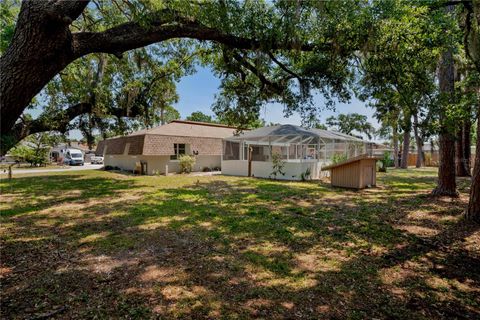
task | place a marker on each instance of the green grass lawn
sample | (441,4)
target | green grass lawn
(95,244)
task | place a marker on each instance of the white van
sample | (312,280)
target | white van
(73,157)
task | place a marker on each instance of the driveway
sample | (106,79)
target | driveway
(87,166)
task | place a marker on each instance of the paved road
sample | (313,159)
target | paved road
(87,166)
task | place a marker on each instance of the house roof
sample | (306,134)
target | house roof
(72,145)
(185,128)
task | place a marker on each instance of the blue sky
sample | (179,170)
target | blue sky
(197,93)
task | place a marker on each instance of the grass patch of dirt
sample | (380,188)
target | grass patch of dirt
(95,244)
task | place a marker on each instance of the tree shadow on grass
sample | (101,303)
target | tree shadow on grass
(38,193)
(247,248)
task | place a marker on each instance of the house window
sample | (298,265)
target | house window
(178,148)
(231,150)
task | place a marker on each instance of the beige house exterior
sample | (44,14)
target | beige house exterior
(158,148)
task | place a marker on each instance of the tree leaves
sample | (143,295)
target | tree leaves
(351,123)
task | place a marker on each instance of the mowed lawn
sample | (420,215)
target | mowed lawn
(97,244)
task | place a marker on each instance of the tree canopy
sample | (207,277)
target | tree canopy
(263,51)
(201,117)
(352,123)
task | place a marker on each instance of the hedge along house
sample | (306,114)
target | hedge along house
(302,152)
(158,149)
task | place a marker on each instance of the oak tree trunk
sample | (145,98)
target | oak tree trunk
(446,185)
(418,142)
(473,209)
(395,147)
(459,169)
(162,116)
(462,163)
(41,47)
(432,151)
(406,145)
(467,143)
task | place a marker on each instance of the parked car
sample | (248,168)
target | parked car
(96,160)
(73,157)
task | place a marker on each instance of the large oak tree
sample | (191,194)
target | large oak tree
(285,49)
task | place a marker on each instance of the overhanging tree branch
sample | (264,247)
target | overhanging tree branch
(270,84)
(132,35)
(64,12)
(61,120)
(58,122)
(284,68)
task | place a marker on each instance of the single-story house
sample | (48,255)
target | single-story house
(158,149)
(302,152)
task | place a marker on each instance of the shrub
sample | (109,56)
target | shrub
(206,169)
(336,158)
(387,161)
(186,163)
(277,165)
(34,156)
(305,175)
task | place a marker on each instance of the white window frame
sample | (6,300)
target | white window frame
(176,151)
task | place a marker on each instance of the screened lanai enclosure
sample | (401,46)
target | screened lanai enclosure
(300,153)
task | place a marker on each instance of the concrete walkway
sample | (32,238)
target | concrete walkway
(87,166)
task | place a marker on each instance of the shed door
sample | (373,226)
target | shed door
(368,175)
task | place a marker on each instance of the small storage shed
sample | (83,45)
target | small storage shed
(358,172)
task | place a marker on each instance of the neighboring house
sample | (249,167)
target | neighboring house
(159,148)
